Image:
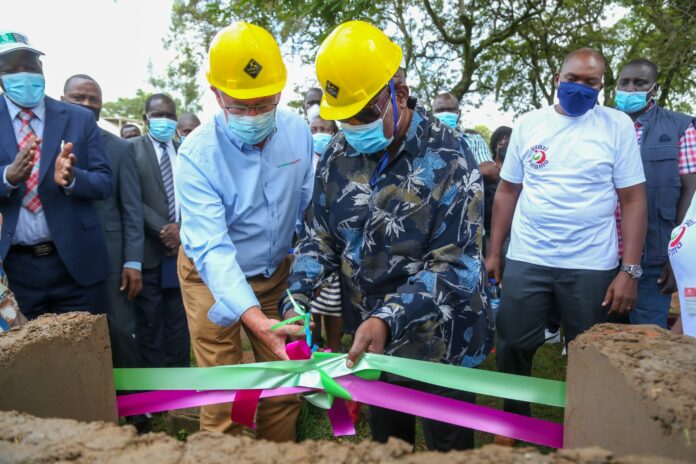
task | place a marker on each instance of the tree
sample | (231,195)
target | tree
(132,107)
(484,131)
(473,48)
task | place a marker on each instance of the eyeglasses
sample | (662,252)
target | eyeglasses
(244,110)
(371,113)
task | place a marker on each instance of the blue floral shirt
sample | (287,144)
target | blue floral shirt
(408,250)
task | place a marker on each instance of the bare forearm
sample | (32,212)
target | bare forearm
(504,205)
(634,222)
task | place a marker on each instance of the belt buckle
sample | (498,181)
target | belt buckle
(43,250)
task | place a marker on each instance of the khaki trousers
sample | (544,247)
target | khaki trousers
(214,345)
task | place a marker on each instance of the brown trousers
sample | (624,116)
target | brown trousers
(214,345)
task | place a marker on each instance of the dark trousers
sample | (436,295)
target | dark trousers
(42,284)
(530,294)
(161,328)
(439,436)
(121,316)
(652,306)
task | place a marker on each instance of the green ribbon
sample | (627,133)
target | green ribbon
(320,372)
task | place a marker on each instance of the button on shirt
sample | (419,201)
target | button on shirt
(31,228)
(240,204)
(171,152)
(407,250)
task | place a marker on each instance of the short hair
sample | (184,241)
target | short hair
(585,51)
(313,89)
(447,96)
(159,96)
(644,62)
(189,115)
(128,126)
(79,76)
(498,135)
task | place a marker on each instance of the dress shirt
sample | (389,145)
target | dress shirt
(240,204)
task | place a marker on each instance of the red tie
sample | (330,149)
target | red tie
(31,200)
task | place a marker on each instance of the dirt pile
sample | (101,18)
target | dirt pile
(27,439)
(632,389)
(58,366)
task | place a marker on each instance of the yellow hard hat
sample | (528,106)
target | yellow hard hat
(245,62)
(353,64)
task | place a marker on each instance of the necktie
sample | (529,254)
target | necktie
(31,200)
(168,180)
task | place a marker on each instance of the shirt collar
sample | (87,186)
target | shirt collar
(651,105)
(221,121)
(39,110)
(156,143)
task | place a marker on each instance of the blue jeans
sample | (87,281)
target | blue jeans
(652,306)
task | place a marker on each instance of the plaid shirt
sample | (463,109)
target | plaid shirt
(687,162)
(409,250)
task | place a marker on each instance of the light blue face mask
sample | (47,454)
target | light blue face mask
(448,119)
(24,88)
(162,129)
(321,141)
(251,129)
(632,102)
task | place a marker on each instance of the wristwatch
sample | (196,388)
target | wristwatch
(634,270)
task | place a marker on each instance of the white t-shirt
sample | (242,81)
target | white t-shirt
(682,253)
(569,169)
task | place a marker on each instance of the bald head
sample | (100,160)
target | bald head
(583,66)
(445,102)
(186,123)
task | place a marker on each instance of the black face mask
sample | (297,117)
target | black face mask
(94,110)
(501,153)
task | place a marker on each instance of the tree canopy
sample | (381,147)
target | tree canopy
(473,48)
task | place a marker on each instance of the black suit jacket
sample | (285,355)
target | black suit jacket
(155,205)
(122,212)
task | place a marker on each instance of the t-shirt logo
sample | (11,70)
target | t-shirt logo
(538,158)
(675,242)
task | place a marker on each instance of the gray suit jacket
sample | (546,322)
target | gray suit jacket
(155,205)
(122,213)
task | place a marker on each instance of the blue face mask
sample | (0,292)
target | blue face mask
(251,129)
(448,119)
(321,140)
(576,99)
(24,88)
(162,129)
(632,102)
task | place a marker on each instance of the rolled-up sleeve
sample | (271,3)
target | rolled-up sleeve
(206,241)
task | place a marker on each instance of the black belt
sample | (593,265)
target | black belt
(41,249)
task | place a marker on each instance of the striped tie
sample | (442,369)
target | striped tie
(168,181)
(31,200)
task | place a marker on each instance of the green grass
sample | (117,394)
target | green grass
(313,423)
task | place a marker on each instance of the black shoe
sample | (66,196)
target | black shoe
(141,422)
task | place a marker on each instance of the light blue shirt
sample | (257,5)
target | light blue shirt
(31,228)
(240,204)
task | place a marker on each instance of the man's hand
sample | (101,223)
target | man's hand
(131,281)
(170,236)
(260,325)
(20,169)
(65,162)
(669,284)
(621,294)
(371,336)
(494,266)
(300,334)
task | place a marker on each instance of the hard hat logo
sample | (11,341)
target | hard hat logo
(332,89)
(253,68)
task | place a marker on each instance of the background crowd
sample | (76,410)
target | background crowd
(407,231)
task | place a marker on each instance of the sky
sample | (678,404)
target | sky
(116,46)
